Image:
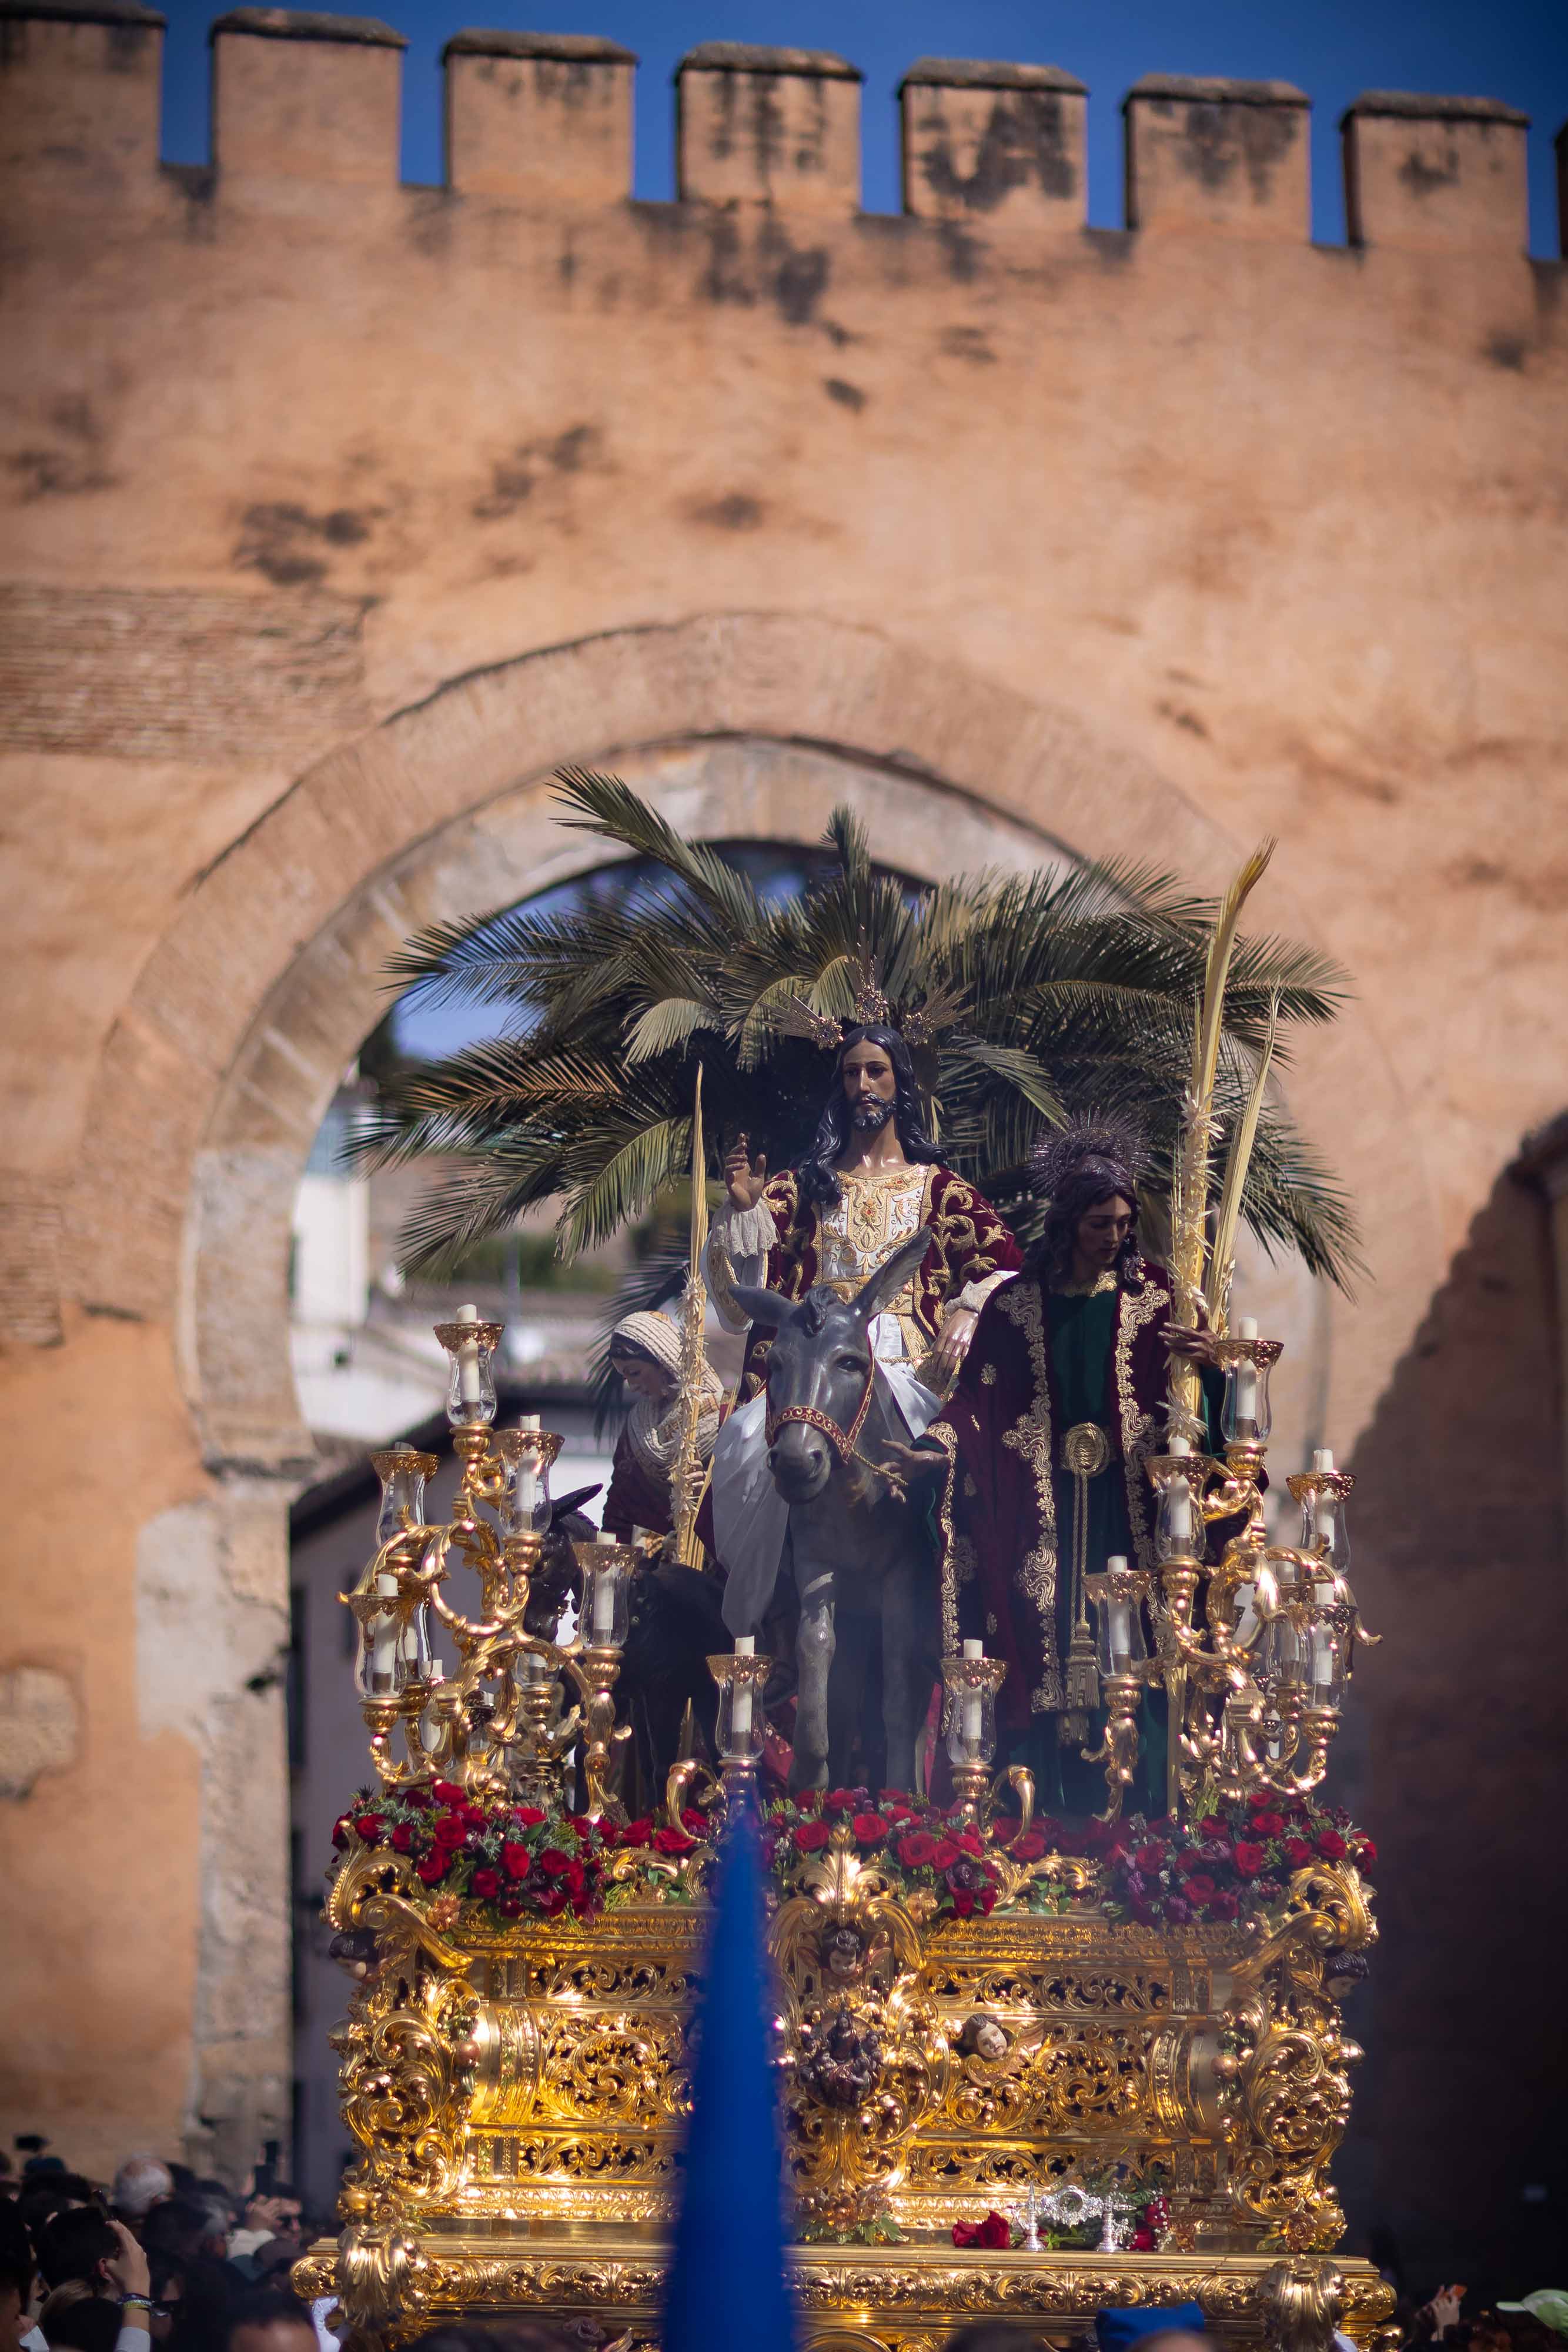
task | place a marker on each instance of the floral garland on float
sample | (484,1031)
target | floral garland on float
(508,1862)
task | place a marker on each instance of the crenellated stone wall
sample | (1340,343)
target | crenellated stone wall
(337,512)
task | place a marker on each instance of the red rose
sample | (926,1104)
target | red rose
(475,1816)
(576,1877)
(694,1824)
(526,1817)
(1249,1859)
(994,2233)
(870,1829)
(486,1883)
(511,1906)
(435,1867)
(1269,1825)
(555,1862)
(446,1792)
(970,1841)
(944,1854)
(1297,1851)
(987,1899)
(418,1797)
(811,1836)
(916,1851)
(403,1837)
(842,1800)
(1188,1862)
(517,1858)
(1028,1848)
(1366,1854)
(1143,2240)
(451,1828)
(1211,1826)
(369,1826)
(341,1831)
(1224,1906)
(1332,1846)
(672,1841)
(963,1901)
(1151,1856)
(636,1833)
(1200,1887)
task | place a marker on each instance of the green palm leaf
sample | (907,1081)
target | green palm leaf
(1065,991)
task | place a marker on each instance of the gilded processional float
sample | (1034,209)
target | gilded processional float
(1026,2072)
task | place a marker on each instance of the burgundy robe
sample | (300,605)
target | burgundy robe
(996,1506)
(968,1242)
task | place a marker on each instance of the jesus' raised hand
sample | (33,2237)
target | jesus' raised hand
(744,1178)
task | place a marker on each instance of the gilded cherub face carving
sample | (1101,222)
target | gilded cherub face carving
(982,2037)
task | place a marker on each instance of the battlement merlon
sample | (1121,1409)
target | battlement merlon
(776,127)
(1435,174)
(303,100)
(1210,156)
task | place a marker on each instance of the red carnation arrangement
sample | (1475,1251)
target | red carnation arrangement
(1233,1863)
(514,1860)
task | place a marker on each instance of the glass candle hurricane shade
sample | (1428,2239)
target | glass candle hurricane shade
(1246,1415)
(470,1346)
(1120,1642)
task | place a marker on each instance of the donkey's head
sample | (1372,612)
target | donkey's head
(819,1368)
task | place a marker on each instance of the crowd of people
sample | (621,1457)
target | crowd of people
(158,2257)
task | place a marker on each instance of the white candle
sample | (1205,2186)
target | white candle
(1322,1657)
(1247,1382)
(430,1730)
(970,1712)
(740,1693)
(1324,1509)
(468,1359)
(1179,1520)
(1120,1631)
(528,1469)
(383,1638)
(603,1620)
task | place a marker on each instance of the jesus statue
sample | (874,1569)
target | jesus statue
(873,1178)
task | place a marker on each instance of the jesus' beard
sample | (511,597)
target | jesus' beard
(871,1115)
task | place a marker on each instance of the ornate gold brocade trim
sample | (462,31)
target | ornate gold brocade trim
(1031,1436)
(1135,1308)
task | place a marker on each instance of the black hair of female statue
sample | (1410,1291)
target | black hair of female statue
(1079,1170)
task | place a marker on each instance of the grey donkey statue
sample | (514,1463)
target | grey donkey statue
(860,1563)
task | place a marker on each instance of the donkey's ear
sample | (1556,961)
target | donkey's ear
(768,1307)
(890,1277)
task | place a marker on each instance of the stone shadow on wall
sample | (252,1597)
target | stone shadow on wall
(1455,2157)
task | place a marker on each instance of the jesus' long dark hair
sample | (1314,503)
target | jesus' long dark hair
(817,1177)
(1088,1162)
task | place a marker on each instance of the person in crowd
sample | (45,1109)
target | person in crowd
(82,2243)
(74,2319)
(15,2280)
(43,2195)
(269,2236)
(270,2320)
(140,2183)
(185,2229)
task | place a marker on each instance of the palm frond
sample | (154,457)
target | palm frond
(1047,993)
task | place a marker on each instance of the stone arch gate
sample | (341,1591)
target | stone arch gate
(249,1011)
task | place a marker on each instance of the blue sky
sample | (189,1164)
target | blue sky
(1511,49)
